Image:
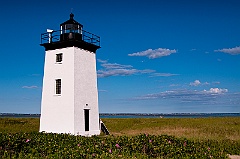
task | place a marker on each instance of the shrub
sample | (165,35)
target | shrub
(42,145)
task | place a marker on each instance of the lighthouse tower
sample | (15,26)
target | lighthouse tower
(69,95)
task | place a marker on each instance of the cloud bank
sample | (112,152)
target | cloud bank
(187,96)
(152,54)
(232,51)
(121,72)
(115,69)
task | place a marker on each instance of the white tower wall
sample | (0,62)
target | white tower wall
(85,92)
(64,113)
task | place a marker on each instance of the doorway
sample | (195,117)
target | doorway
(86,116)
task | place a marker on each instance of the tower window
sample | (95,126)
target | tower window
(59,57)
(58,86)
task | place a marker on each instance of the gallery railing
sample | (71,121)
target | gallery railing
(69,35)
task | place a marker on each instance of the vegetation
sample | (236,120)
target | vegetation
(132,138)
(15,125)
(191,128)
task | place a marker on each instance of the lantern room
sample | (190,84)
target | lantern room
(71,33)
(71,29)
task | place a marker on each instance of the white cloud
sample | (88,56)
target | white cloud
(195,83)
(115,69)
(106,65)
(163,74)
(121,72)
(115,66)
(102,61)
(115,72)
(216,91)
(189,96)
(30,87)
(152,54)
(232,51)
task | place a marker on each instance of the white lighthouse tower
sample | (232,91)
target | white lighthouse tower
(69,95)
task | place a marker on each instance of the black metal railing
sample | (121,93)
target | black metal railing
(67,35)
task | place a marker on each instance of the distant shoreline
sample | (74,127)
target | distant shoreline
(136,115)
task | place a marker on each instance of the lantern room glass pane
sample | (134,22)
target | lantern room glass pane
(70,28)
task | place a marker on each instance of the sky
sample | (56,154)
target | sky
(156,56)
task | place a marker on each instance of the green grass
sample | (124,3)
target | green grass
(15,125)
(191,128)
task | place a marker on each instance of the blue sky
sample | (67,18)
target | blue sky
(166,56)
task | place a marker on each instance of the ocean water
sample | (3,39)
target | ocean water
(197,115)
(132,115)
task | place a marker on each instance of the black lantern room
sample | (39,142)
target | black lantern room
(71,29)
(71,33)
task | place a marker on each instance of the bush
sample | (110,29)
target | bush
(42,145)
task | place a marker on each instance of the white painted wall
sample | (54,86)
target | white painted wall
(85,81)
(65,113)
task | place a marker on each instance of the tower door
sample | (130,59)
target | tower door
(86,116)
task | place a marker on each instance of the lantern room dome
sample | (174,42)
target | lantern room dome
(71,21)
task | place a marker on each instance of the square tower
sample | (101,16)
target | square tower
(70,95)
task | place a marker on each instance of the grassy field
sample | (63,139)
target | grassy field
(191,128)
(15,125)
(130,138)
